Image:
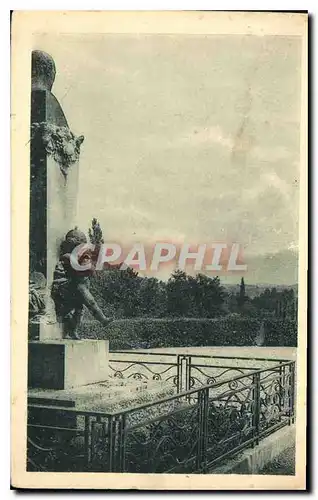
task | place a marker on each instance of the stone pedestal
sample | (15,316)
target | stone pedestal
(64,364)
(49,332)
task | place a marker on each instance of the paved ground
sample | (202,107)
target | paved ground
(284,464)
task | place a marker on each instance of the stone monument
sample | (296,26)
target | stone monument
(64,371)
(56,294)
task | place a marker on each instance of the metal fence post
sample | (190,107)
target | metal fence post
(256,406)
(118,443)
(179,373)
(87,444)
(188,373)
(183,372)
(281,389)
(203,401)
(110,443)
(292,394)
(122,443)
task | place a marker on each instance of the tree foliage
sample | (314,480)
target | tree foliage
(124,293)
(95,233)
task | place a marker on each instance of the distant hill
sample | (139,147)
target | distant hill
(255,290)
(269,270)
(279,268)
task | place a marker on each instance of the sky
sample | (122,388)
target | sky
(187,139)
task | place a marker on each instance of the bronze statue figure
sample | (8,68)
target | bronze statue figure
(70,288)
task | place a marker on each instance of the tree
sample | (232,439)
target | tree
(121,289)
(177,294)
(273,302)
(95,233)
(209,296)
(199,296)
(150,297)
(285,307)
(242,297)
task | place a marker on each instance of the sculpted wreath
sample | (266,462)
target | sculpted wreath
(59,142)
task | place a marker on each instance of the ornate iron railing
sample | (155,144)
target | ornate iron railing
(183,371)
(127,365)
(191,431)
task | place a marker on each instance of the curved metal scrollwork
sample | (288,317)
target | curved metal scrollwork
(168,443)
(211,380)
(145,371)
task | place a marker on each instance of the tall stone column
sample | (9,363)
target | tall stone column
(54,362)
(54,184)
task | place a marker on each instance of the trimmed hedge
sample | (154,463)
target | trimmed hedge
(141,333)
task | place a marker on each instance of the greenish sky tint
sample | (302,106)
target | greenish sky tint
(187,138)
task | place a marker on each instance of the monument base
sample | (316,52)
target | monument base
(49,408)
(45,331)
(50,332)
(64,364)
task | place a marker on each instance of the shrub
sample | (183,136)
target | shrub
(232,330)
(281,332)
